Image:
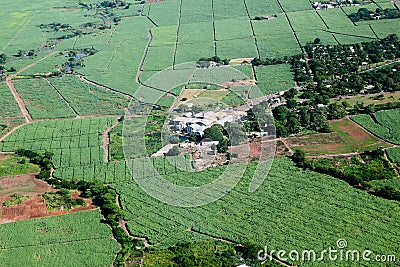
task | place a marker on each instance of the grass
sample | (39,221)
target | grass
(76,239)
(347,137)
(42,100)
(299,202)
(371,99)
(274,78)
(214,94)
(11,165)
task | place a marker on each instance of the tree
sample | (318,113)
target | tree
(215,133)
(299,156)
(174,151)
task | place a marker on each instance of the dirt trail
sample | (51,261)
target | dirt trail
(21,103)
(106,139)
(391,163)
(17,97)
(12,130)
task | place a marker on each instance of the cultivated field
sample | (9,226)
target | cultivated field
(382,123)
(77,239)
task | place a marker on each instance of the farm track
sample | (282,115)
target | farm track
(373,1)
(177,34)
(146,51)
(291,26)
(19,100)
(341,8)
(17,34)
(106,140)
(391,163)
(371,221)
(379,138)
(322,19)
(352,35)
(63,98)
(252,29)
(190,229)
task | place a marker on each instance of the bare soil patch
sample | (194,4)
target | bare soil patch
(34,206)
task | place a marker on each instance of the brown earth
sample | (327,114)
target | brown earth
(27,185)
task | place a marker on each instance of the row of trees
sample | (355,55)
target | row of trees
(212,253)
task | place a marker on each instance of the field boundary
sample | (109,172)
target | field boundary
(17,33)
(63,98)
(291,26)
(177,34)
(252,29)
(21,104)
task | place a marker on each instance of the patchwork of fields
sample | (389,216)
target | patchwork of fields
(74,98)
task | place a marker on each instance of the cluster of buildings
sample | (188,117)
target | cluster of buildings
(333,4)
(196,123)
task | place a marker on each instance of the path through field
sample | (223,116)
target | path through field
(21,103)
(106,139)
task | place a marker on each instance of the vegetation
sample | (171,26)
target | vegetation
(379,13)
(67,240)
(14,164)
(331,204)
(382,123)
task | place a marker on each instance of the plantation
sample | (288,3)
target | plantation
(10,114)
(77,239)
(382,123)
(76,65)
(42,100)
(315,206)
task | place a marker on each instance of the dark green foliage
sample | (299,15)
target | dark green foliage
(174,151)
(366,167)
(204,254)
(365,14)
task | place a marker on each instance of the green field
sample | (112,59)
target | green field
(382,123)
(12,165)
(10,113)
(77,239)
(394,155)
(292,209)
(275,78)
(296,207)
(42,100)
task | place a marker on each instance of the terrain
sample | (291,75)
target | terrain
(88,87)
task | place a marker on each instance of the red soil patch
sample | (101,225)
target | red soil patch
(352,129)
(33,207)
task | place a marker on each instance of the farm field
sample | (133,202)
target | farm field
(68,240)
(10,113)
(76,67)
(347,137)
(382,123)
(306,196)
